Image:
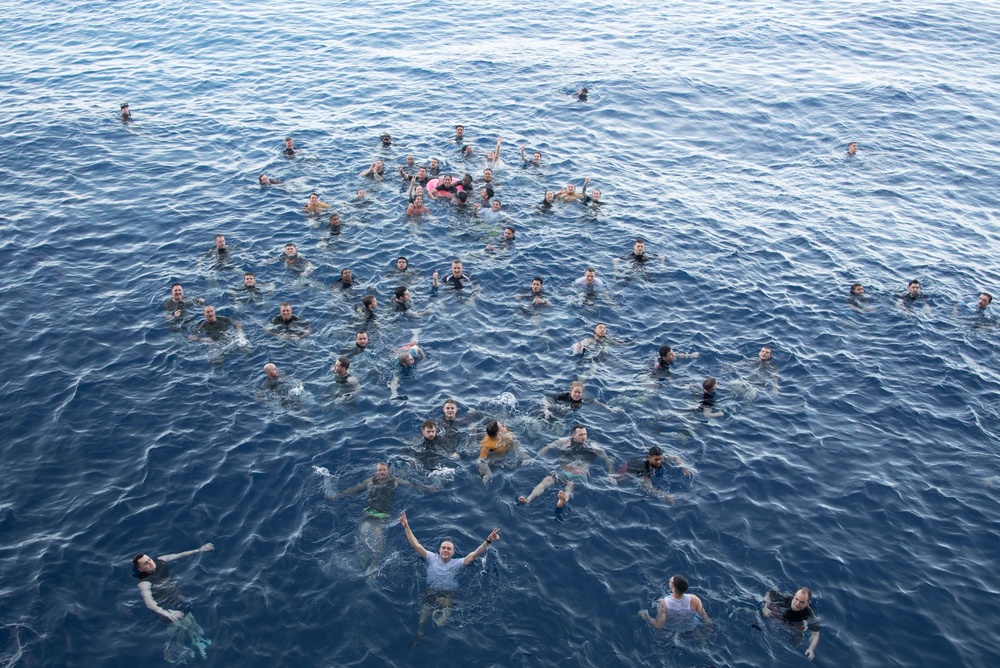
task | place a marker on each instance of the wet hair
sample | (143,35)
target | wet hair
(344,362)
(808,592)
(459,126)
(913,282)
(334,215)
(572,430)
(854,285)
(655,451)
(124,106)
(136,558)
(511,228)
(539,279)
(429,423)
(288,139)
(249,273)
(368,300)
(402,257)
(590,270)
(457,261)
(989,296)
(576,383)
(176,285)
(450,401)
(680,584)
(492,429)
(400,291)
(709,385)
(462,196)
(490,192)
(664,351)
(288,304)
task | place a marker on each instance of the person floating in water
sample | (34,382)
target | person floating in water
(176,308)
(568,193)
(185,636)
(589,281)
(980,306)
(912,296)
(386,140)
(294,262)
(797,612)
(536,158)
(220,253)
(213,327)
(249,292)
(457,279)
(763,367)
(369,303)
(459,134)
(852,149)
(582,94)
(290,149)
(314,207)
(442,575)
(857,299)
(594,198)
(264,180)
(416,205)
(381,489)
(496,444)
(342,376)
(287,325)
(334,224)
(667,355)
(576,455)
(404,357)
(646,468)
(597,343)
(680,609)
(126,113)
(376,170)
(536,293)
(707,405)
(493,156)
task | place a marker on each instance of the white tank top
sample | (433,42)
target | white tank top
(674,606)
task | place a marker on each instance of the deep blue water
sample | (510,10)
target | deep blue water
(715,130)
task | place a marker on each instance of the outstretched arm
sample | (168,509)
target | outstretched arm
(475,554)
(207,547)
(813,641)
(523,157)
(364,484)
(414,543)
(677,460)
(496,157)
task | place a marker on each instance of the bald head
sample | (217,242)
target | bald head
(271,371)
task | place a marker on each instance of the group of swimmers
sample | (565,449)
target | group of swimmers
(441,438)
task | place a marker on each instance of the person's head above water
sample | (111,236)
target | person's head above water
(386,139)
(271,371)
(852,148)
(857,289)
(402,263)
(361,339)
(576,390)
(709,385)
(249,280)
(765,354)
(985,299)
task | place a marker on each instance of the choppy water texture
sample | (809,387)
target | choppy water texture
(715,130)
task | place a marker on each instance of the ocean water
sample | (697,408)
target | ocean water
(716,131)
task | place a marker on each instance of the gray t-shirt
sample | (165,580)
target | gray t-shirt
(442,575)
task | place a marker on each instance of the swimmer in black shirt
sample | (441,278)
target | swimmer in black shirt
(289,326)
(176,308)
(707,405)
(290,150)
(797,612)
(249,292)
(126,114)
(456,279)
(536,293)
(376,171)
(213,327)
(536,158)
(650,466)
(367,308)
(266,181)
(594,198)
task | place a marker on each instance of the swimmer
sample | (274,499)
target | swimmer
(249,292)
(287,325)
(547,200)
(794,611)
(360,344)
(582,94)
(488,176)
(594,198)
(408,354)
(649,466)
(214,327)
(466,183)
(176,308)
(314,206)
(434,167)
(536,158)
(707,405)
(402,264)
(264,180)
(342,376)
(272,381)
(852,148)
(126,114)
(293,261)
(219,249)
(493,157)
(367,308)
(496,444)
(857,299)
(434,449)
(466,151)
(484,195)
(152,573)
(375,171)
(421,176)
(386,140)
(360,196)
(666,356)
(381,489)
(290,150)
(576,456)
(637,257)
(346,279)
(401,303)
(459,133)
(442,574)
(568,193)
(599,339)
(912,296)
(764,366)
(679,607)
(445,188)
(456,279)
(535,292)
(449,425)
(506,240)
(416,206)
(334,223)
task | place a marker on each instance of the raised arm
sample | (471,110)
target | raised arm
(409,193)
(207,547)
(478,552)
(414,543)
(585,182)
(434,279)
(496,157)
(523,157)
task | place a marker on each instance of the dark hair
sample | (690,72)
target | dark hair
(572,430)
(248,273)
(655,450)
(855,285)
(400,291)
(288,304)
(462,196)
(511,228)
(489,191)
(989,296)
(136,558)
(124,105)
(450,401)
(176,285)
(367,300)
(680,584)
(492,429)
(664,351)
(402,257)
(429,423)
(808,592)
(459,126)
(334,215)
(913,282)
(708,384)
(344,362)
(539,279)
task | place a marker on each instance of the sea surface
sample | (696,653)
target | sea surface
(716,132)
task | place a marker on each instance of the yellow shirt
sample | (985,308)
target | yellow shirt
(498,445)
